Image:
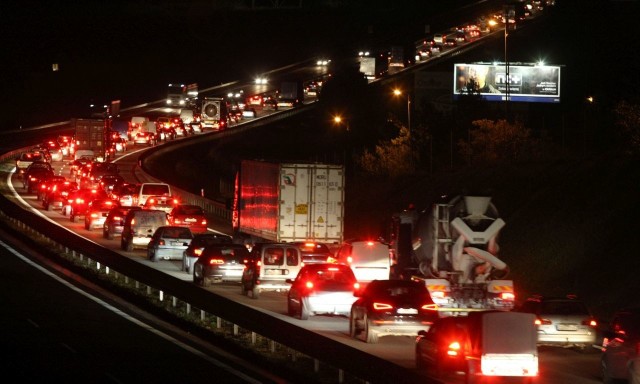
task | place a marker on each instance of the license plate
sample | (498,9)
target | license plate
(274,272)
(566,327)
(190,220)
(176,243)
(234,273)
(407,311)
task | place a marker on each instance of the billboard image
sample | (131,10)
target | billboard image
(527,83)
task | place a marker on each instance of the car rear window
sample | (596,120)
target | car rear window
(155,189)
(564,308)
(190,210)
(177,233)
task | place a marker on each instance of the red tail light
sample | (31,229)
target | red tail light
(543,322)
(454,349)
(161,242)
(94,215)
(507,296)
(590,322)
(430,307)
(382,306)
(198,251)
(216,261)
(309,285)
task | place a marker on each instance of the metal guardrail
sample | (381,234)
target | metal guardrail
(296,346)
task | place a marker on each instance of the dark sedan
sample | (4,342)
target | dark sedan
(220,263)
(391,308)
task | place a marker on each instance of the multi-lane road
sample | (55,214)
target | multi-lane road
(557,365)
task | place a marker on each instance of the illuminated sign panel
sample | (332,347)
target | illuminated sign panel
(527,83)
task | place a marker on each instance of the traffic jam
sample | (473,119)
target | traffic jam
(363,287)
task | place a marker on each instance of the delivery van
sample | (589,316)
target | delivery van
(370,260)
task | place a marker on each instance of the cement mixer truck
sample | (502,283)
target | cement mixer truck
(453,248)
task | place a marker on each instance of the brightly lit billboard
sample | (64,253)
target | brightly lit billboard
(527,83)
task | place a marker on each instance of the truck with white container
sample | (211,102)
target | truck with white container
(374,67)
(289,202)
(453,247)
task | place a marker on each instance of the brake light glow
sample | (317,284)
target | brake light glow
(198,251)
(454,349)
(356,286)
(590,322)
(382,306)
(349,259)
(216,261)
(430,307)
(543,322)
(309,284)
(507,296)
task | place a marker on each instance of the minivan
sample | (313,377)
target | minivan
(139,227)
(147,190)
(269,267)
(370,260)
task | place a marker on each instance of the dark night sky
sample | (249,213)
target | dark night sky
(129,50)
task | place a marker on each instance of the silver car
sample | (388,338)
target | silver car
(322,288)
(562,321)
(169,243)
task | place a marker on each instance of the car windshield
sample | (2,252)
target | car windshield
(395,290)
(190,210)
(177,233)
(564,308)
(329,276)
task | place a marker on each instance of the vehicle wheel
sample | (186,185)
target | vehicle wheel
(290,311)
(152,255)
(243,289)
(370,337)
(606,378)
(87,226)
(353,326)
(304,310)
(197,280)
(48,207)
(420,365)
(73,217)
(255,292)
(470,375)
(109,235)
(128,246)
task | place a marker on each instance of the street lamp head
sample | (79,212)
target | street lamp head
(397,92)
(337,119)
